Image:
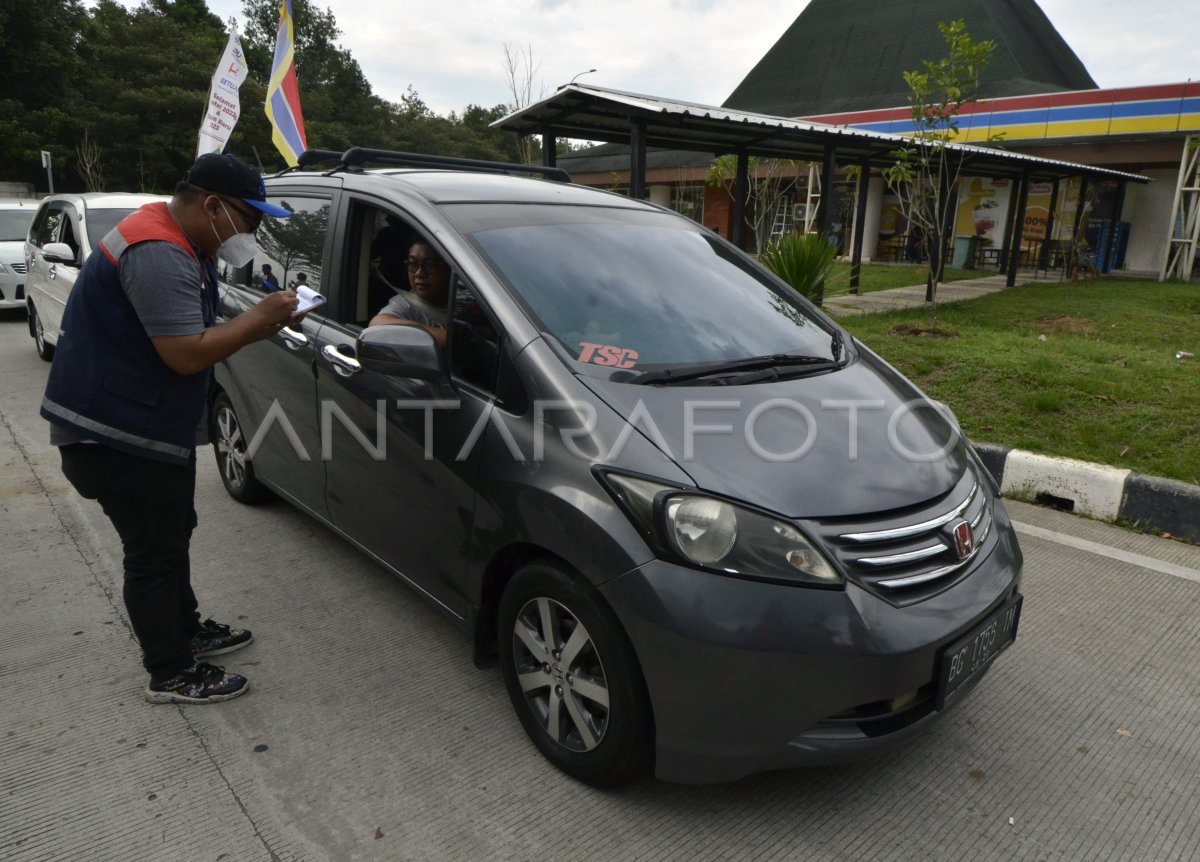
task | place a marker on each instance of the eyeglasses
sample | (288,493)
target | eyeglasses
(253,221)
(426,266)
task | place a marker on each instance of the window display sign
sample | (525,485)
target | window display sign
(1037,211)
(981,206)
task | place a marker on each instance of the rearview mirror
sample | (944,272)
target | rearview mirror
(58,252)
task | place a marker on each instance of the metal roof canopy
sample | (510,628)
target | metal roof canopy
(594,113)
(589,112)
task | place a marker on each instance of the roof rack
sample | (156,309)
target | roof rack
(308,158)
(356,157)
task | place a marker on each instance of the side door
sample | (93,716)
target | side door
(50,282)
(271,382)
(402,454)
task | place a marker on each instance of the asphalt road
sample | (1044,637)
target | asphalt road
(369,734)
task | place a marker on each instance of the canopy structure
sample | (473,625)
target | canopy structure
(594,113)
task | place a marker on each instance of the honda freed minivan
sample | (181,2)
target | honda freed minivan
(702,529)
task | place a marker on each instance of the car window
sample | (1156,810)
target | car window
(377,248)
(629,289)
(46,228)
(292,249)
(14,224)
(68,232)
(101,221)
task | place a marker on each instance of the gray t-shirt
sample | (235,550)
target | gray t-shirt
(164,285)
(409,306)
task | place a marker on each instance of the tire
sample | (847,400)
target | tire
(229,447)
(44,350)
(587,712)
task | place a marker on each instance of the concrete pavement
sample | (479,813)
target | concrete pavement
(913,296)
(369,735)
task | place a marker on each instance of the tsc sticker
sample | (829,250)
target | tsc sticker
(607,354)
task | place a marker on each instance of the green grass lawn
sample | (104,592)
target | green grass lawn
(884,276)
(1084,370)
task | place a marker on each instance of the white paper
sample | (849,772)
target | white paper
(309,298)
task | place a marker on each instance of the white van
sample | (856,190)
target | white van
(64,232)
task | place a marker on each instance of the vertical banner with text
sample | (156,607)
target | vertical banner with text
(223,103)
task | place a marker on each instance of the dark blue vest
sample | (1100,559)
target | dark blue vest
(107,382)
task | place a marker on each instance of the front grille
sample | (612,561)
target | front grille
(911,555)
(19,268)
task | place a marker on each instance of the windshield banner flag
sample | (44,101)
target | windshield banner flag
(283,93)
(223,103)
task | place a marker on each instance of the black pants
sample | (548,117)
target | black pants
(151,505)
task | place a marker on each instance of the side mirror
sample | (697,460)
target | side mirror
(402,351)
(58,252)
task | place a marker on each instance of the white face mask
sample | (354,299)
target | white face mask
(239,249)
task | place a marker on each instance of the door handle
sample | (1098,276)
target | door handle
(342,364)
(52,271)
(293,339)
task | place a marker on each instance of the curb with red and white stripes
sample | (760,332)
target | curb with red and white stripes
(1096,490)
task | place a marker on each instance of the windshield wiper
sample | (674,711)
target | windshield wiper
(836,348)
(682,373)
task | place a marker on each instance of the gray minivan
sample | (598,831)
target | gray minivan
(702,529)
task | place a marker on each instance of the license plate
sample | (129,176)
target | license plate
(970,655)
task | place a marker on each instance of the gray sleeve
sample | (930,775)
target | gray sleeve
(400,307)
(163,282)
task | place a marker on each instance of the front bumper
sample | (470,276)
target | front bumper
(745,677)
(12,290)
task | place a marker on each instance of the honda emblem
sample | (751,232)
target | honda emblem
(964,539)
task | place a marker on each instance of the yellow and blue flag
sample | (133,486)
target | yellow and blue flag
(283,93)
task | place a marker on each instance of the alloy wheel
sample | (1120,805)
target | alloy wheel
(231,447)
(44,350)
(561,674)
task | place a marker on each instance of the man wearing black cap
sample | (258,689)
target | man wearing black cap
(127,397)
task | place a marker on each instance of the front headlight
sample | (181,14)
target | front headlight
(717,535)
(702,529)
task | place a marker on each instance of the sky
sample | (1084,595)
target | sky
(452,52)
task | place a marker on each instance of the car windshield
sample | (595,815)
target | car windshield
(629,289)
(101,221)
(14,224)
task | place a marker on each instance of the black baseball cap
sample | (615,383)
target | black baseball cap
(228,175)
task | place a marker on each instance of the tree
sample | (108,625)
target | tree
(89,163)
(295,242)
(771,181)
(477,120)
(340,109)
(520,69)
(116,94)
(40,67)
(148,72)
(926,171)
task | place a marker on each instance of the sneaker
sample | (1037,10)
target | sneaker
(200,683)
(216,639)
